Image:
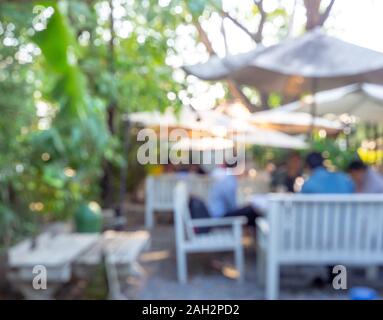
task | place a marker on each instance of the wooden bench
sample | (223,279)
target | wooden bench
(228,238)
(319,230)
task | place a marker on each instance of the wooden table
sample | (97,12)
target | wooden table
(55,253)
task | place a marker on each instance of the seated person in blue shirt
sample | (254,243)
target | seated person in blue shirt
(222,198)
(323,181)
(366,179)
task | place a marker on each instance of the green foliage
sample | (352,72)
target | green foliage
(78,138)
(336,157)
(274,100)
(264,155)
(63,59)
(50,169)
(135,73)
(72,65)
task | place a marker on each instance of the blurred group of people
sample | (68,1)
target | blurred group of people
(296,175)
(359,178)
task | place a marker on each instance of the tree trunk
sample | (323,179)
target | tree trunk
(107,179)
(315,18)
(312,13)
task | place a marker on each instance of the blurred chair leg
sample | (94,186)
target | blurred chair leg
(260,266)
(272,281)
(181,266)
(372,273)
(149,217)
(240,262)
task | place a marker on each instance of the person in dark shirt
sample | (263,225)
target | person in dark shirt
(285,176)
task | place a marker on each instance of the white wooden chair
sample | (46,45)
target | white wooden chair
(188,241)
(160,192)
(319,230)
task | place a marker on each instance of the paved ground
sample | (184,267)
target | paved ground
(211,275)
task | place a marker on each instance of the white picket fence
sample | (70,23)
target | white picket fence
(319,230)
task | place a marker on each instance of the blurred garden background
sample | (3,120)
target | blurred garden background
(73,71)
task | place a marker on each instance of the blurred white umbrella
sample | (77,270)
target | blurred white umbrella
(187,119)
(221,123)
(293,122)
(223,128)
(203,144)
(362,101)
(242,131)
(277,119)
(153,118)
(313,62)
(271,138)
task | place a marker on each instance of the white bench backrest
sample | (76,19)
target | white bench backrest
(182,218)
(199,186)
(160,189)
(326,225)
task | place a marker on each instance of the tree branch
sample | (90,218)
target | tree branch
(258,37)
(234,89)
(237,93)
(238,24)
(204,38)
(326,13)
(314,17)
(223,31)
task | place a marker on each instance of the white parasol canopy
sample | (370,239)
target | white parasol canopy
(203,144)
(294,122)
(311,63)
(271,138)
(223,128)
(362,101)
(277,119)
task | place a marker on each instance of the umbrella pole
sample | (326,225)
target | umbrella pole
(313,108)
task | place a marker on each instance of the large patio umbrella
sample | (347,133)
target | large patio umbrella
(270,138)
(311,63)
(363,101)
(259,137)
(242,130)
(308,64)
(186,120)
(219,127)
(278,119)
(294,122)
(203,144)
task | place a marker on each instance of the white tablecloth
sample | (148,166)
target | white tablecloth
(260,202)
